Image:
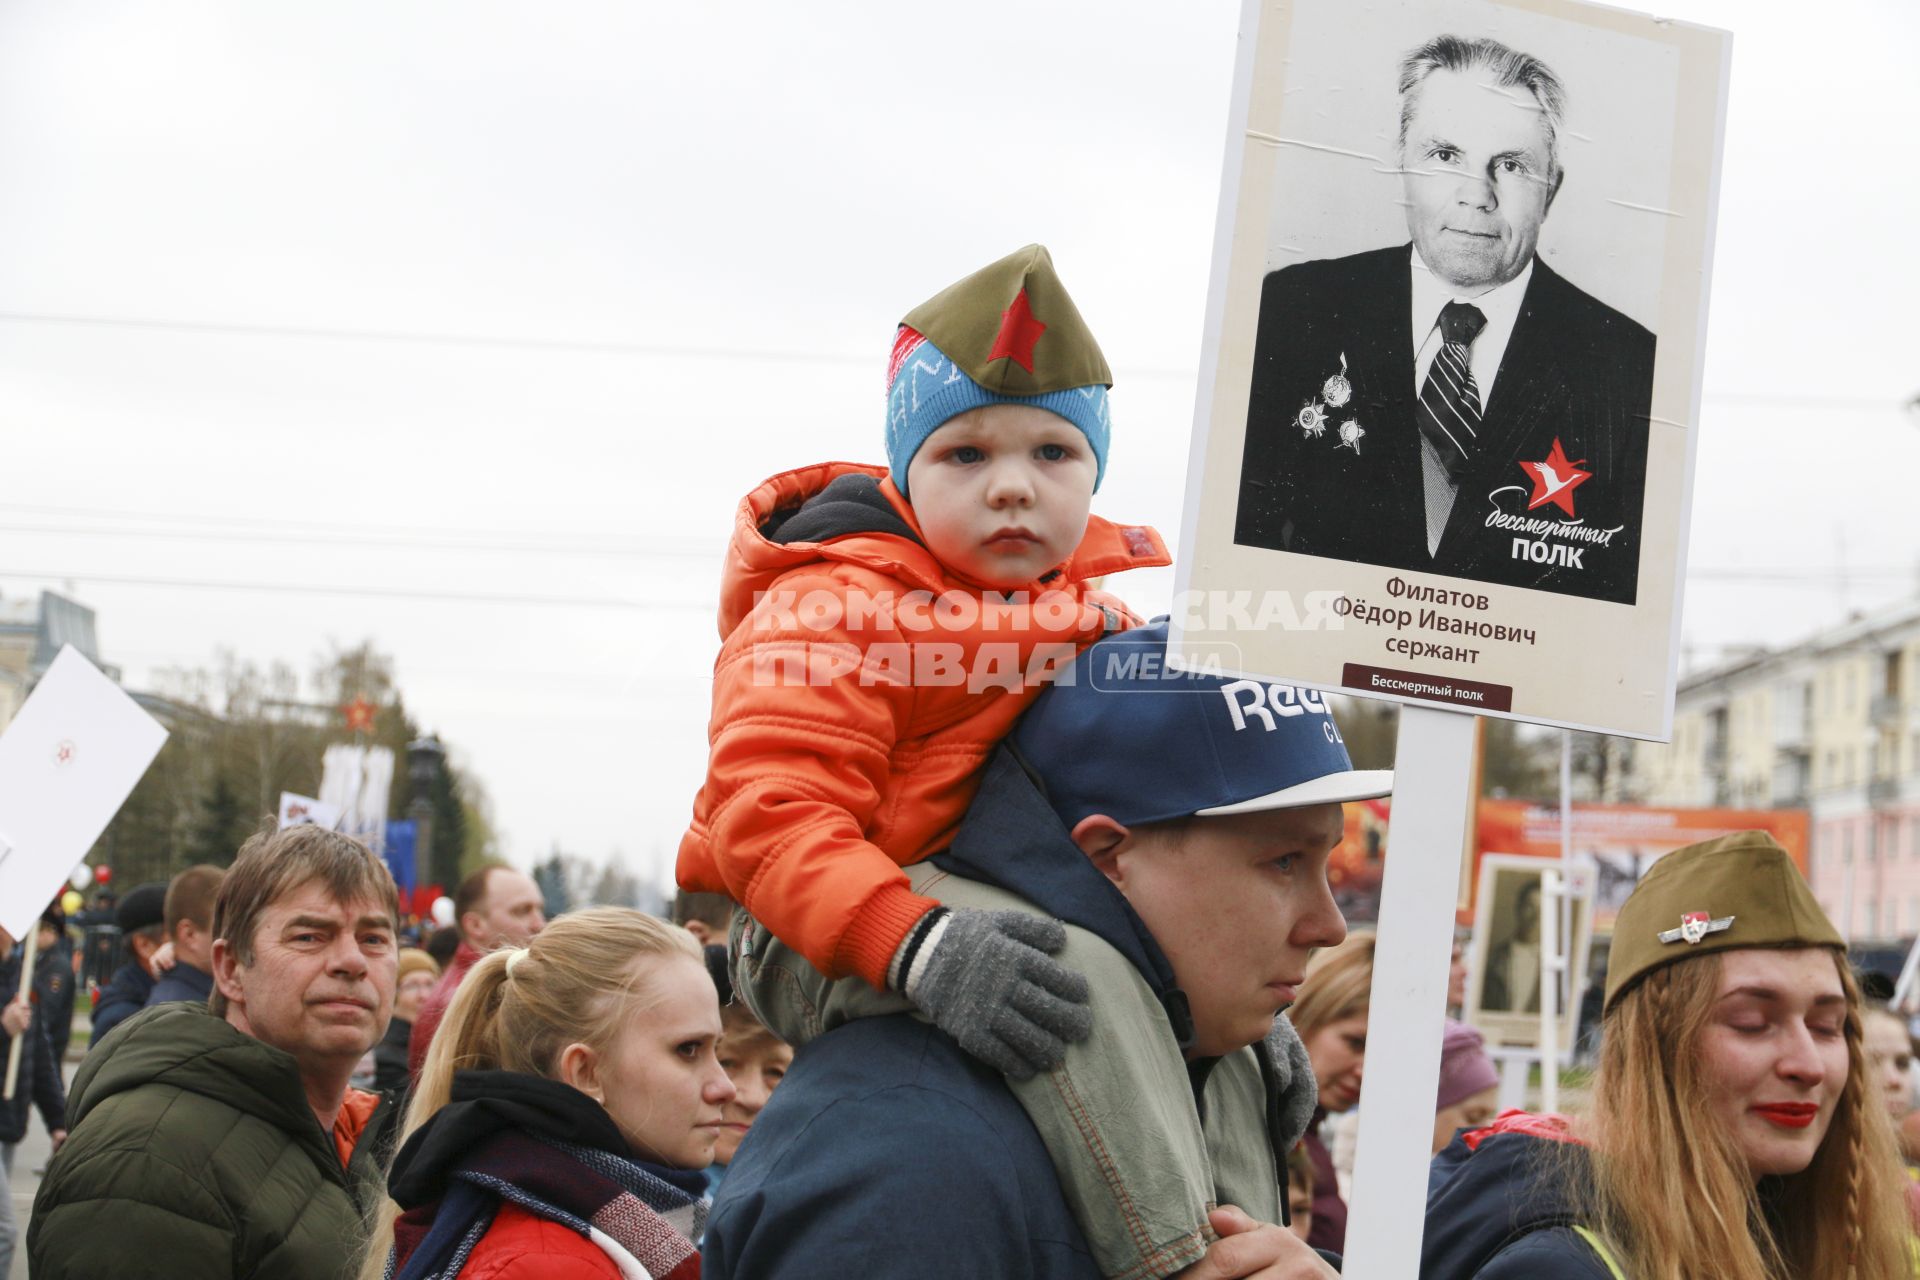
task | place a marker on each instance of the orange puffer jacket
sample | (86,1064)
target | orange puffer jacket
(861,686)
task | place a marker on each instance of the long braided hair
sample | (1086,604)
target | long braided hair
(1670,1190)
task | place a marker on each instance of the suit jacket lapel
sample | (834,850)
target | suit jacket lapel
(1387,347)
(1523,393)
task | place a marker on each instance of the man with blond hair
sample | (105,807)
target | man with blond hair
(189,922)
(1178,841)
(223,1139)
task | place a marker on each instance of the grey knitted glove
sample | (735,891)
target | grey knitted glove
(1293,1077)
(987,979)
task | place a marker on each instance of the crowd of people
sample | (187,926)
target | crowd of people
(1006,948)
(592,1081)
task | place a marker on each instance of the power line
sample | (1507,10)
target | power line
(159,660)
(428,339)
(581,542)
(566,346)
(394,593)
(1815,577)
(275,522)
(608,346)
(710,554)
(1809,577)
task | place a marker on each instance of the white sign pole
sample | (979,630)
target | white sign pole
(1433,770)
(26,987)
(1553,890)
(1556,936)
(1515,1066)
(1904,988)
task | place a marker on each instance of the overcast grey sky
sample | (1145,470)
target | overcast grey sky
(675,240)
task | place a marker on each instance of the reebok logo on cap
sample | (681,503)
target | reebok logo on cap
(1125,735)
(1249,700)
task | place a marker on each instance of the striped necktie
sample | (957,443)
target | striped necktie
(1449,413)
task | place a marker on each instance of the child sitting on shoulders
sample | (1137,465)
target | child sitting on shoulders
(883,629)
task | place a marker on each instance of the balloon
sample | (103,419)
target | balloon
(443,911)
(103,874)
(82,876)
(71,901)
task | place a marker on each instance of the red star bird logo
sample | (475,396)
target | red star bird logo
(1555,479)
(1018,332)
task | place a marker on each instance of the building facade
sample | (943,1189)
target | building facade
(32,633)
(1830,725)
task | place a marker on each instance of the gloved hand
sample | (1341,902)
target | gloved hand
(1293,1078)
(988,980)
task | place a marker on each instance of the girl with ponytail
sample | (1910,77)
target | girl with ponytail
(564,1115)
(1733,1134)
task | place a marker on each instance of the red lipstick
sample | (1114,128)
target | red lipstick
(1788,1115)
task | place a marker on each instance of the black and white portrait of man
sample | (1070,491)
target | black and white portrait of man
(1512,981)
(1451,403)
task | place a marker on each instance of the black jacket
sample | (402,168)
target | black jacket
(1499,1207)
(390,1075)
(968,1185)
(54,985)
(1574,370)
(182,982)
(120,999)
(39,1080)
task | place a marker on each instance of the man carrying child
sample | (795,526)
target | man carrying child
(884,630)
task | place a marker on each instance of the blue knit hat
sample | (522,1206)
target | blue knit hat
(1007,334)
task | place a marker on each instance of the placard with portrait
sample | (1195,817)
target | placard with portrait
(1451,374)
(1507,962)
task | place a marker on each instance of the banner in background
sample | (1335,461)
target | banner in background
(357,781)
(296,809)
(1620,842)
(1615,843)
(398,851)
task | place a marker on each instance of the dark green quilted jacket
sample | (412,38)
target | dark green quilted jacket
(194,1153)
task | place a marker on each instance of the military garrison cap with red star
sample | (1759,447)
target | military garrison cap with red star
(1734,891)
(1007,334)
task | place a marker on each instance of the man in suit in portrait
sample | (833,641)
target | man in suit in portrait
(1453,405)
(1513,963)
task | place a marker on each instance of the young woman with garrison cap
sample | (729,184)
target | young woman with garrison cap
(1734,1131)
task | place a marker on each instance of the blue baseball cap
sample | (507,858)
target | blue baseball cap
(1122,734)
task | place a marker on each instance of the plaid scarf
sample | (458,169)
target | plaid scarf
(643,1222)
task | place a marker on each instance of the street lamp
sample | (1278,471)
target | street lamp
(425,759)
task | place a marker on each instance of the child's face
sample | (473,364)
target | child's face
(1299,1209)
(1002,492)
(755,1064)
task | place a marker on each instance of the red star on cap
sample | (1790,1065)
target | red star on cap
(1018,332)
(1555,479)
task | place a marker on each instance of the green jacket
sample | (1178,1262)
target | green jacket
(194,1152)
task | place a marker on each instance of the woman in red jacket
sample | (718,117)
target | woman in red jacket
(565,1113)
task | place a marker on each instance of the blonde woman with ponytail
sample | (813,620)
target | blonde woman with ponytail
(1733,1134)
(564,1115)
